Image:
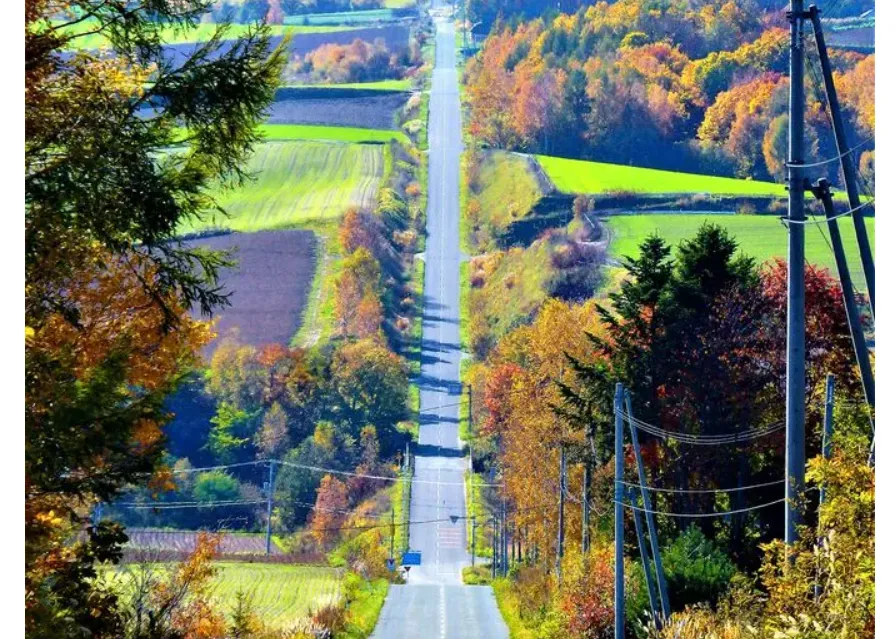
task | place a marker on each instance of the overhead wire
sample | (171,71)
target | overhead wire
(723,513)
(703,440)
(701,491)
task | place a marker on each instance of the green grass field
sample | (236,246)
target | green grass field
(760,236)
(281,594)
(200,33)
(579,176)
(333,133)
(299,182)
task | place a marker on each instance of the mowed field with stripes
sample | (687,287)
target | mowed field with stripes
(299,181)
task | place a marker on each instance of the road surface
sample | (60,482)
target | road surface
(434,603)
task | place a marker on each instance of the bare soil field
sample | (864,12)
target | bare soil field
(185,541)
(370,111)
(270,285)
(395,36)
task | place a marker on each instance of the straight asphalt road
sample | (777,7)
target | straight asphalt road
(434,603)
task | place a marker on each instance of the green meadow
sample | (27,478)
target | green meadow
(580,176)
(283,595)
(299,181)
(201,32)
(762,237)
(332,133)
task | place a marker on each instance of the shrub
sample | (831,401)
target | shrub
(329,618)
(697,570)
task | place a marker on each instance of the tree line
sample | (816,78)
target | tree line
(697,333)
(699,87)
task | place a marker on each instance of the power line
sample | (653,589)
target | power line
(861,206)
(334,471)
(184,471)
(724,513)
(347,473)
(836,158)
(702,491)
(180,505)
(703,440)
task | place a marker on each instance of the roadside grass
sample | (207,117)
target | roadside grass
(201,32)
(400,495)
(511,611)
(509,191)
(276,132)
(414,345)
(580,176)
(473,490)
(298,182)
(477,575)
(379,85)
(512,292)
(762,237)
(366,599)
(465,307)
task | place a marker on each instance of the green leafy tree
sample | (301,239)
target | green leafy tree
(371,384)
(216,485)
(231,433)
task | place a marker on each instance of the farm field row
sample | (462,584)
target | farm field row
(355,135)
(762,237)
(201,32)
(162,540)
(281,594)
(299,181)
(284,595)
(364,16)
(379,85)
(580,176)
(270,288)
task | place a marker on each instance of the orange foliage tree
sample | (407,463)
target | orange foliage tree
(330,510)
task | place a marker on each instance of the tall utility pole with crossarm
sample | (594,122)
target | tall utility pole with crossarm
(796,281)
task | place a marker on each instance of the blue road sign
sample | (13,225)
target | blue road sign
(390,564)
(412,558)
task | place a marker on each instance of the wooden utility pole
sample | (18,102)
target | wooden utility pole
(828,433)
(651,522)
(470,418)
(392,538)
(796,282)
(473,544)
(847,164)
(561,521)
(822,191)
(586,491)
(270,496)
(645,558)
(619,565)
(494,547)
